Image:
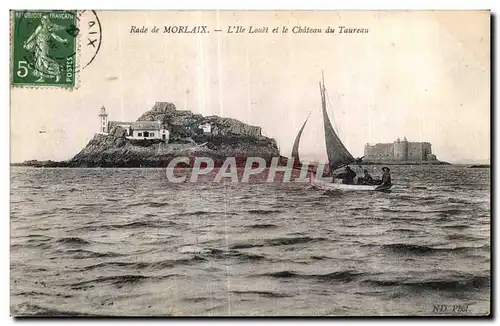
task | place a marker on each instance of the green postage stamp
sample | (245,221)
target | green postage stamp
(44,48)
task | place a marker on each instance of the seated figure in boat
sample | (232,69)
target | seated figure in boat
(348,176)
(386,177)
(367,178)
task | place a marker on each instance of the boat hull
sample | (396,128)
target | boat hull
(318,184)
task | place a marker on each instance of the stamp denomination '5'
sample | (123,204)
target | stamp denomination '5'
(44,48)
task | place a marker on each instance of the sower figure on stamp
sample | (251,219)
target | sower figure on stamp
(39,43)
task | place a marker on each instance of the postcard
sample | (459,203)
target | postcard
(250,163)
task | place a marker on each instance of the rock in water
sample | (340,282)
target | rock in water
(228,138)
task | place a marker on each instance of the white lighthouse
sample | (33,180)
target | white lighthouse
(103,120)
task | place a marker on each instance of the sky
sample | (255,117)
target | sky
(420,75)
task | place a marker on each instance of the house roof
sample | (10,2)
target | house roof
(117,123)
(146,125)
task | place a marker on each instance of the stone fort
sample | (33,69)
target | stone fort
(400,150)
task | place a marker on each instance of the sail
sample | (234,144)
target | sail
(295,148)
(338,155)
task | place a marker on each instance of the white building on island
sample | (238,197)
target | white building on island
(148,130)
(103,121)
(134,130)
(125,125)
(206,127)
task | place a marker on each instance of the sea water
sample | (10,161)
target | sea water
(128,242)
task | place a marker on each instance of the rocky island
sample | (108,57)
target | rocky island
(163,133)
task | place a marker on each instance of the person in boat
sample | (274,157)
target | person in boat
(386,176)
(367,178)
(349,175)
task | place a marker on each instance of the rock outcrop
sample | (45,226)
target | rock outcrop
(184,124)
(43,164)
(228,138)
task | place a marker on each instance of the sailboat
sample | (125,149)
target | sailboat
(338,155)
(295,148)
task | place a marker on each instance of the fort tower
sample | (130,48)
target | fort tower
(401,150)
